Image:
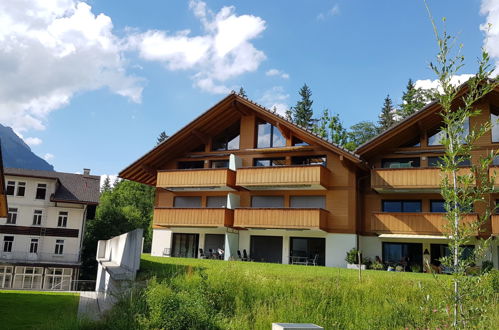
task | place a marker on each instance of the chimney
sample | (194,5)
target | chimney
(86,171)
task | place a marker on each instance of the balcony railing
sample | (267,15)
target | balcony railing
(495,224)
(41,257)
(281,218)
(408,179)
(424,223)
(193,217)
(203,179)
(3,206)
(283,177)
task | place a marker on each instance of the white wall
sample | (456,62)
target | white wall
(161,239)
(337,246)
(370,246)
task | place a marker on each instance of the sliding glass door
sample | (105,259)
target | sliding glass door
(185,245)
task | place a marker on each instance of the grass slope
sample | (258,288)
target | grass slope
(37,310)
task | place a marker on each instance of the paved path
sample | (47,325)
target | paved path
(88,306)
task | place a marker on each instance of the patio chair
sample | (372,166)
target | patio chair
(201,254)
(245,256)
(313,261)
(166,252)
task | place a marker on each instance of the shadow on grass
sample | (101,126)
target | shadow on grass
(161,271)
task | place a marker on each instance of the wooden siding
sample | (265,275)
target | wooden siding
(196,178)
(3,206)
(408,178)
(281,176)
(411,223)
(281,218)
(495,224)
(191,217)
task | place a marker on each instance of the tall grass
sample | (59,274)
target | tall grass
(209,294)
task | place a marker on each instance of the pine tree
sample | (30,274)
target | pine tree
(320,126)
(413,100)
(289,115)
(302,111)
(162,137)
(106,186)
(386,119)
(242,92)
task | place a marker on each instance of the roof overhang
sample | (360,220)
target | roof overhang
(404,236)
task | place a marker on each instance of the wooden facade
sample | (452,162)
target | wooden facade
(281,218)
(495,224)
(196,179)
(193,217)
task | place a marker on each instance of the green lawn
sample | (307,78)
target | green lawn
(37,310)
(211,294)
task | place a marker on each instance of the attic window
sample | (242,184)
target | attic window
(435,138)
(269,136)
(228,139)
(298,142)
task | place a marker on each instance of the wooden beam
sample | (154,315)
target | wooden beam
(240,109)
(284,130)
(148,169)
(200,135)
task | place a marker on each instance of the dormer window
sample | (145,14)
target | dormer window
(269,136)
(41,191)
(228,139)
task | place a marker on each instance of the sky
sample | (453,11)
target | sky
(91,84)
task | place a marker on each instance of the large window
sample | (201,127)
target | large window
(435,138)
(62,220)
(41,191)
(228,139)
(216,201)
(435,161)
(59,246)
(12,216)
(403,254)
(266,162)
(401,206)
(400,162)
(309,160)
(437,206)
(269,136)
(187,201)
(7,243)
(316,202)
(267,201)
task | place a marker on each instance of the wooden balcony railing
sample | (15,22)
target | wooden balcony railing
(3,206)
(283,177)
(280,218)
(385,179)
(201,217)
(203,179)
(412,223)
(495,224)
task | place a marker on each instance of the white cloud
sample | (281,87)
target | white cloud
(490,8)
(50,50)
(275,98)
(222,52)
(33,141)
(275,72)
(333,11)
(112,178)
(48,156)
(435,84)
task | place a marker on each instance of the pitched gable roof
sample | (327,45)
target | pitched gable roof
(228,109)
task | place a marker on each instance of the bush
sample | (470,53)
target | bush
(376,265)
(487,266)
(352,256)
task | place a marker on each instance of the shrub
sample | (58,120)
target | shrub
(376,265)
(352,256)
(487,266)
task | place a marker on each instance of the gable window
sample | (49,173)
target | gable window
(37,217)
(12,216)
(59,246)
(435,138)
(401,206)
(269,136)
(267,201)
(41,191)
(296,142)
(62,220)
(11,186)
(33,246)
(400,162)
(7,243)
(220,163)
(187,201)
(190,165)
(416,142)
(21,189)
(228,139)
(309,160)
(266,162)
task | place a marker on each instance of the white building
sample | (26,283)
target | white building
(41,238)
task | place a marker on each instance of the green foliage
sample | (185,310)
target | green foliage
(352,256)
(127,206)
(361,133)
(162,137)
(242,92)
(106,186)
(302,112)
(413,99)
(376,265)
(320,126)
(386,117)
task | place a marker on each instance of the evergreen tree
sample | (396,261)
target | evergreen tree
(361,133)
(302,111)
(386,119)
(162,137)
(289,115)
(413,100)
(106,186)
(338,134)
(242,92)
(320,126)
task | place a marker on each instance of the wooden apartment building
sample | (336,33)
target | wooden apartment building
(240,178)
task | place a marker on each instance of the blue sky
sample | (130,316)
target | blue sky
(93,84)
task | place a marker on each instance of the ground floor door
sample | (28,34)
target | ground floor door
(212,243)
(403,254)
(266,248)
(310,248)
(438,251)
(185,245)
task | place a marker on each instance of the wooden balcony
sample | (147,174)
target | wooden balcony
(3,206)
(412,223)
(281,218)
(313,177)
(495,224)
(203,179)
(408,179)
(201,217)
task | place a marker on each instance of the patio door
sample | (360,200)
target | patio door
(185,245)
(308,247)
(266,249)
(404,254)
(213,242)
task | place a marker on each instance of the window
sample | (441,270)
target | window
(400,163)
(316,202)
(216,201)
(7,243)
(309,160)
(436,161)
(269,162)
(267,201)
(12,216)
(33,247)
(59,246)
(495,127)
(401,206)
(298,142)
(412,143)
(62,221)
(228,139)
(21,189)
(220,163)
(37,217)
(41,191)
(190,165)
(11,186)
(269,136)
(187,201)
(495,162)
(435,138)
(437,206)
